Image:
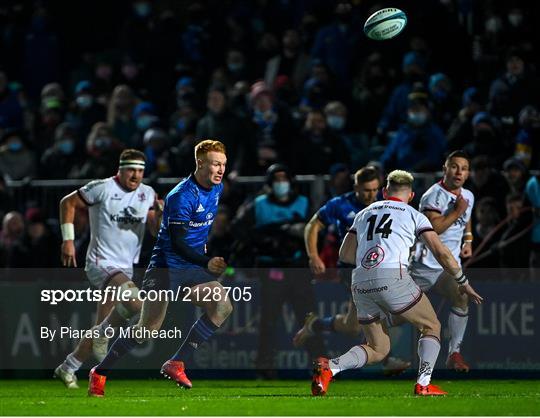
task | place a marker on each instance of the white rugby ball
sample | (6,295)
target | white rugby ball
(385,24)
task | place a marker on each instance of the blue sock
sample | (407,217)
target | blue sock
(120,347)
(200,332)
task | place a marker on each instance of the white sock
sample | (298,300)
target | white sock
(428,350)
(355,358)
(457,323)
(71,364)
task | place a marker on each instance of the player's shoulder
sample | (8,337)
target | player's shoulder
(97,183)
(185,189)
(145,188)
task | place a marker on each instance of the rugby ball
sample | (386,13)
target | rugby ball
(385,24)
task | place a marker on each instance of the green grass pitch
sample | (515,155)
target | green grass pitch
(292,397)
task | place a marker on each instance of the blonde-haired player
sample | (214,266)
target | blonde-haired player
(378,243)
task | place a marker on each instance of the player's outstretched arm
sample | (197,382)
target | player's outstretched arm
(68,205)
(448,262)
(442,222)
(347,251)
(311,236)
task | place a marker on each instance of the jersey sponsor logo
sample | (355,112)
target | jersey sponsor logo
(116,197)
(199,224)
(127,216)
(373,257)
(200,208)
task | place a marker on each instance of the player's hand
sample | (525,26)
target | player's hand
(317,265)
(217,265)
(461,205)
(467,289)
(466,250)
(68,254)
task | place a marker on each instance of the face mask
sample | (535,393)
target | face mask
(85,101)
(515,19)
(417,118)
(336,123)
(15,146)
(144,122)
(102,142)
(142,9)
(66,147)
(235,66)
(281,188)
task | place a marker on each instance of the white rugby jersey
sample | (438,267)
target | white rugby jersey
(440,200)
(117,221)
(385,232)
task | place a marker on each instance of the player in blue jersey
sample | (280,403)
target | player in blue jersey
(179,260)
(340,212)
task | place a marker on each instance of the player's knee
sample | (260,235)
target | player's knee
(127,308)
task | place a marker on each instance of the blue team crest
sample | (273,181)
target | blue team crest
(209,215)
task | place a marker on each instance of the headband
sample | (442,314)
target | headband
(132,164)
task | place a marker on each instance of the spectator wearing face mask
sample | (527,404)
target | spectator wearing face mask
(419,144)
(61,159)
(460,131)
(132,75)
(103,80)
(271,229)
(85,111)
(51,114)
(17,161)
(102,152)
(527,143)
(272,129)
(395,112)
(325,148)
(356,144)
(291,61)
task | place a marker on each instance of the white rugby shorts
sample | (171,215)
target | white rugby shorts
(395,295)
(99,275)
(423,276)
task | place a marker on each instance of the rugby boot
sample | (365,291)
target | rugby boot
(175,370)
(322,376)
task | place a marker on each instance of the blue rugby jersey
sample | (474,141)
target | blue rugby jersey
(194,206)
(340,211)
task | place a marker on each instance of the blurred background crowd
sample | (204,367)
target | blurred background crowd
(294,82)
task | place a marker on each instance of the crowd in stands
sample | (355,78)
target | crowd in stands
(295,82)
